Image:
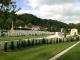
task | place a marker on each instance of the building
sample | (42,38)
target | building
(34,27)
(74,32)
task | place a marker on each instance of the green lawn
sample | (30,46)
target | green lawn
(73,54)
(6,38)
(43,52)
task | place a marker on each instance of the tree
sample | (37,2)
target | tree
(19,23)
(29,25)
(65,33)
(7,10)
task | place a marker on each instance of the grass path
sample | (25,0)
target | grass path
(43,52)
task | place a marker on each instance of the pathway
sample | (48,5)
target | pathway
(64,51)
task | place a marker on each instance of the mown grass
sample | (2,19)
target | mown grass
(73,54)
(9,38)
(43,52)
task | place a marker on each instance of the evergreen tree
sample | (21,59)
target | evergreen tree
(7,10)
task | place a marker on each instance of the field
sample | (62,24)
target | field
(7,38)
(73,54)
(43,52)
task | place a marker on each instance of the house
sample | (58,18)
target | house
(34,27)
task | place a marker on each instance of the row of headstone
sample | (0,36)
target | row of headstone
(11,45)
(26,32)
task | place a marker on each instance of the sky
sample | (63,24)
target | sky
(67,11)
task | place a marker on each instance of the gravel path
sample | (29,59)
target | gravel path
(64,51)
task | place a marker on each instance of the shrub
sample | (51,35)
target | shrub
(51,41)
(60,40)
(72,39)
(12,47)
(56,40)
(32,43)
(43,41)
(23,43)
(18,44)
(77,38)
(67,39)
(5,47)
(47,41)
(36,43)
(39,42)
(28,43)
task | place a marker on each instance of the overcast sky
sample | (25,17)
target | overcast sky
(67,11)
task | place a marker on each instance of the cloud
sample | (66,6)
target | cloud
(51,2)
(63,10)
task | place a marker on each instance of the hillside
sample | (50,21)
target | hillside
(29,20)
(52,25)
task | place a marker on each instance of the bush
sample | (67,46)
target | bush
(56,40)
(43,41)
(47,41)
(36,43)
(67,39)
(51,41)
(5,47)
(28,43)
(32,43)
(12,47)
(72,39)
(19,44)
(23,43)
(60,40)
(39,42)
(77,38)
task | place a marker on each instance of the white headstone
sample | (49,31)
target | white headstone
(62,29)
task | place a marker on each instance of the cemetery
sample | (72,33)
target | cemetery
(42,52)
(58,37)
(32,45)
(39,30)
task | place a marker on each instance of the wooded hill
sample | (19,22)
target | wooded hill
(29,19)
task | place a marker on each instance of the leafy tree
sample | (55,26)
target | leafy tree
(7,10)
(29,25)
